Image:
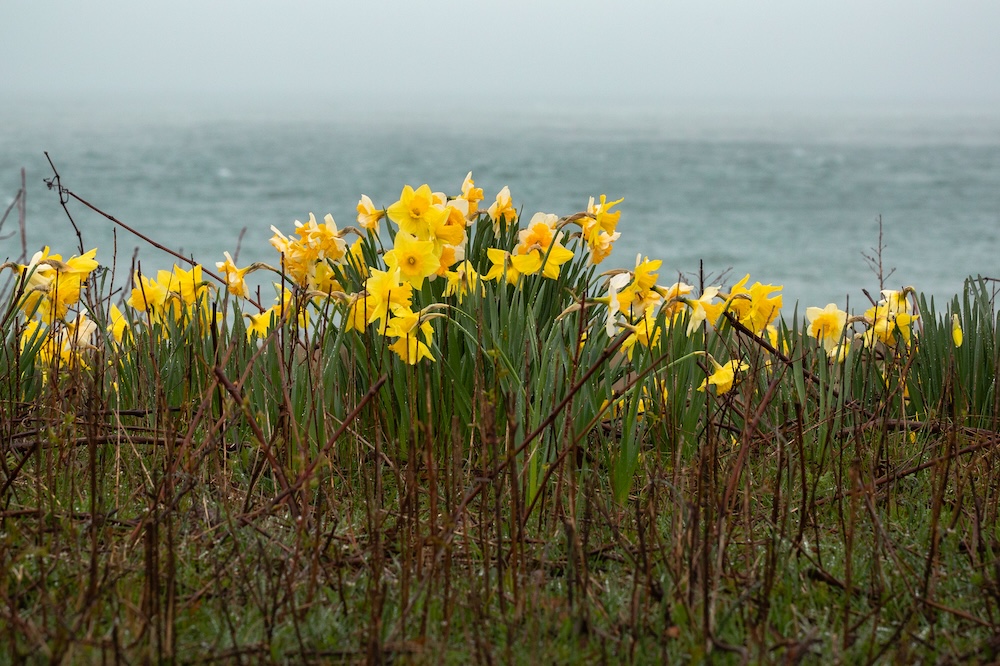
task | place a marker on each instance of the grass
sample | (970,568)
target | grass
(530,495)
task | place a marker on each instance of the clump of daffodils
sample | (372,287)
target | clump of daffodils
(49,293)
(886,327)
(890,321)
(407,264)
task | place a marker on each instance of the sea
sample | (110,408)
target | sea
(807,199)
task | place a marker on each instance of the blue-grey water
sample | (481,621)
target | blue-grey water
(792,199)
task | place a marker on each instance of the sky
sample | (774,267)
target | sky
(415,54)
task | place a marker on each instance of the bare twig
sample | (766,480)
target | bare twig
(65,194)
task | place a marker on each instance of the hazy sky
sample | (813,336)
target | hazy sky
(418,52)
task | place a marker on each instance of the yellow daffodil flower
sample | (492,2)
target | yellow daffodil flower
(703,309)
(368,215)
(895,301)
(645,275)
(602,213)
(359,312)
(405,326)
(531,263)
(541,242)
(315,242)
(415,259)
(645,332)
(615,284)
(148,295)
(235,277)
(324,241)
(66,342)
(35,330)
(827,325)
(260,324)
(600,245)
(285,306)
(884,320)
(52,285)
(416,212)
(956,330)
(724,376)
(754,307)
(472,194)
(117,324)
(502,210)
(839,353)
(461,281)
(452,229)
(385,290)
(324,278)
(673,298)
(189,285)
(502,267)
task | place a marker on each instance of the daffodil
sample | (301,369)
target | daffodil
(385,290)
(502,267)
(904,324)
(839,353)
(724,375)
(407,327)
(673,299)
(324,240)
(416,212)
(615,284)
(472,194)
(646,332)
(502,210)
(324,278)
(548,262)
(452,228)
(315,242)
(296,257)
(461,281)
(754,307)
(117,324)
(81,333)
(356,258)
(189,285)
(540,233)
(235,277)
(640,294)
(895,301)
(359,311)
(260,324)
(827,325)
(540,247)
(148,295)
(703,309)
(600,244)
(52,285)
(368,215)
(34,332)
(602,213)
(67,343)
(414,258)
(885,319)
(644,275)
(956,330)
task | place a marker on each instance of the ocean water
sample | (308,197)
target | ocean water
(791,198)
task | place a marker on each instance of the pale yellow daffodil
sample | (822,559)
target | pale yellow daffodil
(724,375)
(827,325)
